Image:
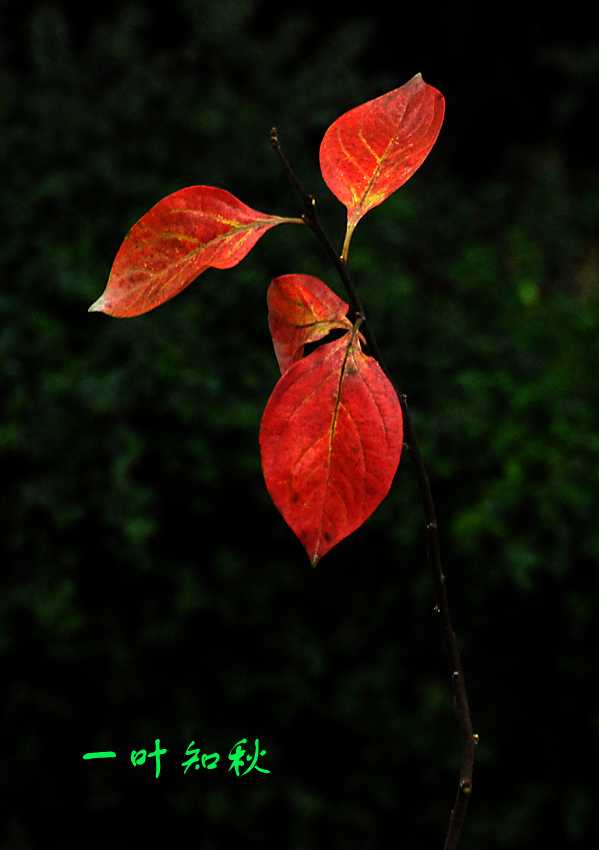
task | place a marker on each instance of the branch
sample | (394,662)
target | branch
(468,738)
(311,219)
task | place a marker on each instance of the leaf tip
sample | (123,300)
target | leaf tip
(103,305)
(96,307)
(417,80)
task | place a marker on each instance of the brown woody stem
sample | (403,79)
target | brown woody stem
(468,738)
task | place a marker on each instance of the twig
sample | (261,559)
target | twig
(468,738)
(311,219)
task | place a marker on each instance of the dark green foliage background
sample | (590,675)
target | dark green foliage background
(149,588)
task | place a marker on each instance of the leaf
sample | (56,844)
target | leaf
(183,235)
(301,309)
(331,438)
(372,150)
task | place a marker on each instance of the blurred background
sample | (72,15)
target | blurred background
(149,589)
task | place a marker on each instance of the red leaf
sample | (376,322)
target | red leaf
(301,309)
(373,149)
(179,238)
(331,439)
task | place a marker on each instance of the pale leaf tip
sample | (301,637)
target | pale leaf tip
(97,306)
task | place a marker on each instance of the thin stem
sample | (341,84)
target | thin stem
(311,219)
(468,738)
